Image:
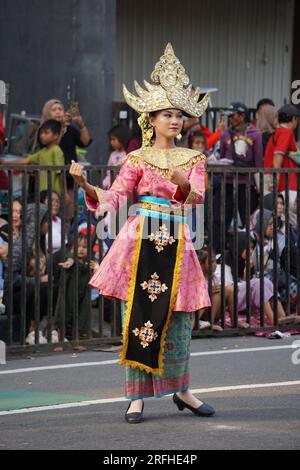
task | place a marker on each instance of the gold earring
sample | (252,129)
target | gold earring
(179,137)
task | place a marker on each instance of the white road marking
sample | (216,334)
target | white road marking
(115,361)
(105,401)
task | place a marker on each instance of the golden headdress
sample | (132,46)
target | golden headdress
(171,89)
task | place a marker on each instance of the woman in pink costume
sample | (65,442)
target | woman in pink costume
(152,265)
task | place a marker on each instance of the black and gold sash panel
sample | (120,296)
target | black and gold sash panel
(152,293)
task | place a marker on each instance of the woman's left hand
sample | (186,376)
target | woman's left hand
(179,178)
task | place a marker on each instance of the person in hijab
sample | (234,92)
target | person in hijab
(267,122)
(283,227)
(74,134)
(269,256)
(254,282)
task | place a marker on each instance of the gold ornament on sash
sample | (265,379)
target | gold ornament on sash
(171,89)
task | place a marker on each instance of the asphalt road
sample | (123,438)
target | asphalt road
(256,394)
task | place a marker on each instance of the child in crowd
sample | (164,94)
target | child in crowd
(216,293)
(56,220)
(71,288)
(119,138)
(50,155)
(269,256)
(254,281)
(197,141)
(31,276)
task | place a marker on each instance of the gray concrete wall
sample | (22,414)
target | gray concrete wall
(61,48)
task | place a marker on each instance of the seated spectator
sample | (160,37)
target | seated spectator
(269,255)
(283,227)
(17,259)
(30,285)
(71,289)
(254,282)
(216,294)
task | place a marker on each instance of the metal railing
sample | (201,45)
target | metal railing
(24,296)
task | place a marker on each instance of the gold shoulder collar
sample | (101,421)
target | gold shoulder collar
(162,160)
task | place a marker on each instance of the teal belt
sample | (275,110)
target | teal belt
(166,212)
(155,200)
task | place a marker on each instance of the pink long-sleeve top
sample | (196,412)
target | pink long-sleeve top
(145,172)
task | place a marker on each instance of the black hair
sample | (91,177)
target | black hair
(231,254)
(80,237)
(204,254)
(194,135)
(122,133)
(53,125)
(263,102)
(281,196)
(18,199)
(44,195)
(155,113)
(284,118)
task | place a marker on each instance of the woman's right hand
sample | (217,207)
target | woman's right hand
(76,171)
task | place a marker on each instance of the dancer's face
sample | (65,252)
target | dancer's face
(167,123)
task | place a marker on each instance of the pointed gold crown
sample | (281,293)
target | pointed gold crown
(172,89)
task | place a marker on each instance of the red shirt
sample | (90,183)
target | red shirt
(282,142)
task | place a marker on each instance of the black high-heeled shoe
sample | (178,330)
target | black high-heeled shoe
(203,410)
(136,417)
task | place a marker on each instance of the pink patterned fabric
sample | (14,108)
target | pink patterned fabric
(113,276)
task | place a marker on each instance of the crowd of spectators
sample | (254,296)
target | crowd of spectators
(268,141)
